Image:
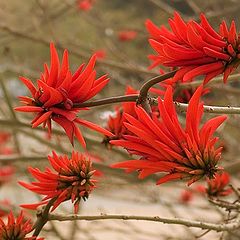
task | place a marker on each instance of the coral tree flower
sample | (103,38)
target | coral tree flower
(85,5)
(5,207)
(127,35)
(217,187)
(186,196)
(16,229)
(6,174)
(58,90)
(100,54)
(71,179)
(166,147)
(195,48)
(4,139)
(115,123)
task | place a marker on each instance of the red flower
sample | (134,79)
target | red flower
(217,187)
(127,35)
(186,196)
(196,48)
(5,207)
(100,54)
(58,90)
(4,139)
(115,123)
(85,5)
(200,189)
(6,174)
(71,179)
(165,146)
(16,229)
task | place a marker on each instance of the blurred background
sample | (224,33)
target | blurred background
(114,30)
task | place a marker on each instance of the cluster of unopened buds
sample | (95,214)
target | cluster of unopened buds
(155,134)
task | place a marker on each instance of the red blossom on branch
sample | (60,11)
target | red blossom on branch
(16,229)
(186,196)
(85,5)
(166,147)
(4,139)
(56,93)
(5,207)
(100,54)
(6,174)
(195,48)
(126,35)
(71,179)
(115,123)
(217,187)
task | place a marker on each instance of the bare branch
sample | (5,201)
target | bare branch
(189,223)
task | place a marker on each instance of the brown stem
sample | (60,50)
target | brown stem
(42,218)
(117,99)
(143,94)
(189,223)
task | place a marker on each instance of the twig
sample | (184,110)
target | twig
(42,218)
(224,204)
(13,114)
(109,63)
(118,99)
(143,93)
(197,224)
(203,234)
(182,107)
(13,158)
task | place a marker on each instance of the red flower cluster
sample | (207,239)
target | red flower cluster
(4,139)
(186,196)
(70,180)
(217,187)
(196,48)
(16,229)
(164,146)
(5,207)
(100,54)
(127,35)
(58,90)
(115,123)
(6,174)
(85,5)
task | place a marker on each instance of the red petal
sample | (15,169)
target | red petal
(94,127)
(28,83)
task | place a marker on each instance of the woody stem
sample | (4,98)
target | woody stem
(143,93)
(104,101)
(42,218)
(230,226)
